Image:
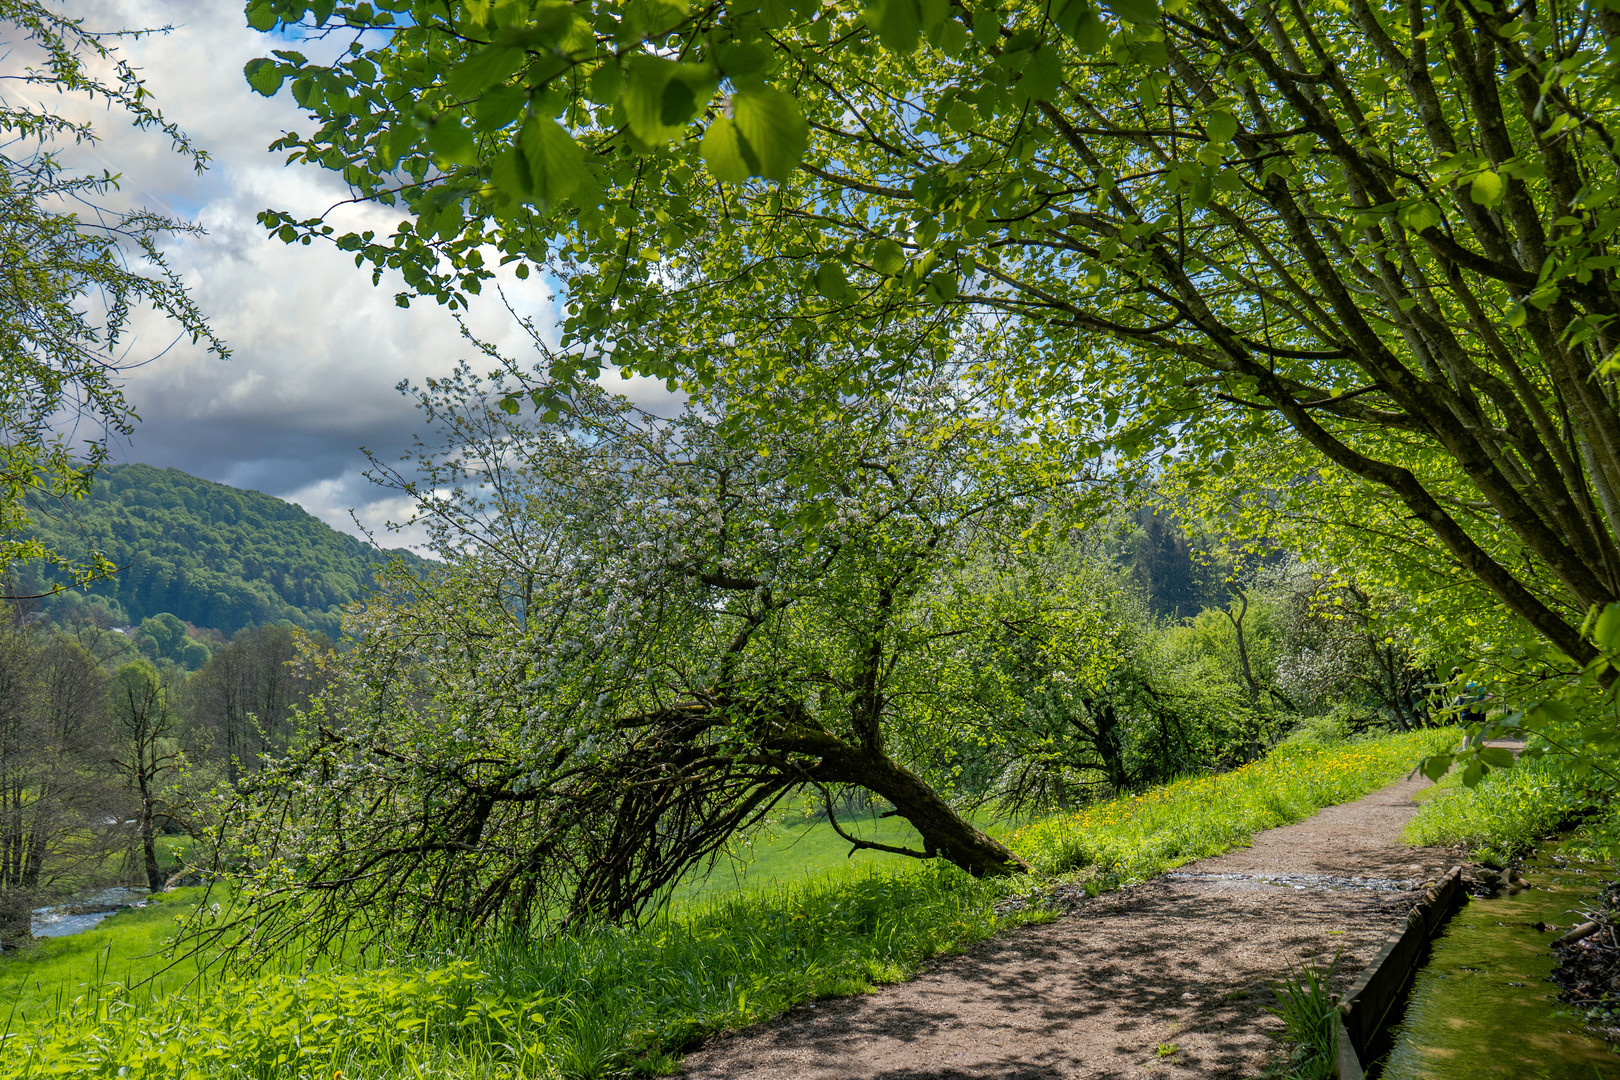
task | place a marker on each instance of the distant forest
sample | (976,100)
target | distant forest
(215,556)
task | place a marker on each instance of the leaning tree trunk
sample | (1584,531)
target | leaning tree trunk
(945,833)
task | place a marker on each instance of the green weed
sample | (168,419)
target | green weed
(1507,813)
(588,1004)
(1307,1010)
(1135,836)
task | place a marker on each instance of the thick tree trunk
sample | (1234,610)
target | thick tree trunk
(945,833)
(154,876)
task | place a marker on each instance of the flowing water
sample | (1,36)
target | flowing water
(1484,1008)
(85,912)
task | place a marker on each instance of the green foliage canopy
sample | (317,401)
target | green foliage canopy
(1379,232)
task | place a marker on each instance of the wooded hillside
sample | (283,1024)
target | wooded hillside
(214,555)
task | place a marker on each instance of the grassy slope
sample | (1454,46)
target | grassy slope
(1509,812)
(124,948)
(798,852)
(607,1002)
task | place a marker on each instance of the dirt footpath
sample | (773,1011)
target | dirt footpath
(1168,979)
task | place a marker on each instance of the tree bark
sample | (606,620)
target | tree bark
(16,920)
(945,833)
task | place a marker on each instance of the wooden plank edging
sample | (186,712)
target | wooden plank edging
(1365,1008)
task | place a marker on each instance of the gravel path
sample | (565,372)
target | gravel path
(1168,979)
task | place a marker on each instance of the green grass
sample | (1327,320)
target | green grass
(799,851)
(580,1005)
(1506,814)
(124,948)
(1136,836)
(795,920)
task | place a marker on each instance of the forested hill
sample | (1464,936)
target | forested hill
(214,555)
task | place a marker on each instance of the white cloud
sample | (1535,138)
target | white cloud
(317,349)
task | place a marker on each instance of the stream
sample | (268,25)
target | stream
(1483,1007)
(85,912)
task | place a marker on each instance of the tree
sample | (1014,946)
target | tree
(1377,233)
(1167,565)
(645,637)
(1094,702)
(75,269)
(53,798)
(1341,646)
(146,755)
(245,696)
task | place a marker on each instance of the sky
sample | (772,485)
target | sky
(317,350)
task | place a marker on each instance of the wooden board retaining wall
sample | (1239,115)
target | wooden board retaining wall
(1366,1008)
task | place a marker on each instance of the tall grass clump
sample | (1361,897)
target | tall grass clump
(597,1002)
(1307,1008)
(1506,814)
(1135,836)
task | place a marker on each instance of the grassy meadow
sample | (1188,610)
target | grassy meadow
(792,919)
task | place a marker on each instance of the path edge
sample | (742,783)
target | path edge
(1367,1008)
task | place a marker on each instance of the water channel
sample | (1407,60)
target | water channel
(1483,1007)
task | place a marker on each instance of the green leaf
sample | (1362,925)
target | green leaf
(265,75)
(1040,78)
(451,143)
(1607,632)
(739,60)
(952,37)
(933,14)
(831,282)
(678,103)
(772,130)
(1488,188)
(1473,774)
(606,82)
(509,405)
(555,162)
(962,117)
(660,96)
(1436,765)
(548,23)
(498,107)
(401,139)
(898,23)
(482,70)
(1089,33)
(943,286)
(1141,12)
(775,13)
(1220,127)
(888,257)
(1497,757)
(1551,714)
(261,16)
(987,24)
(723,153)
(1421,216)
(1066,14)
